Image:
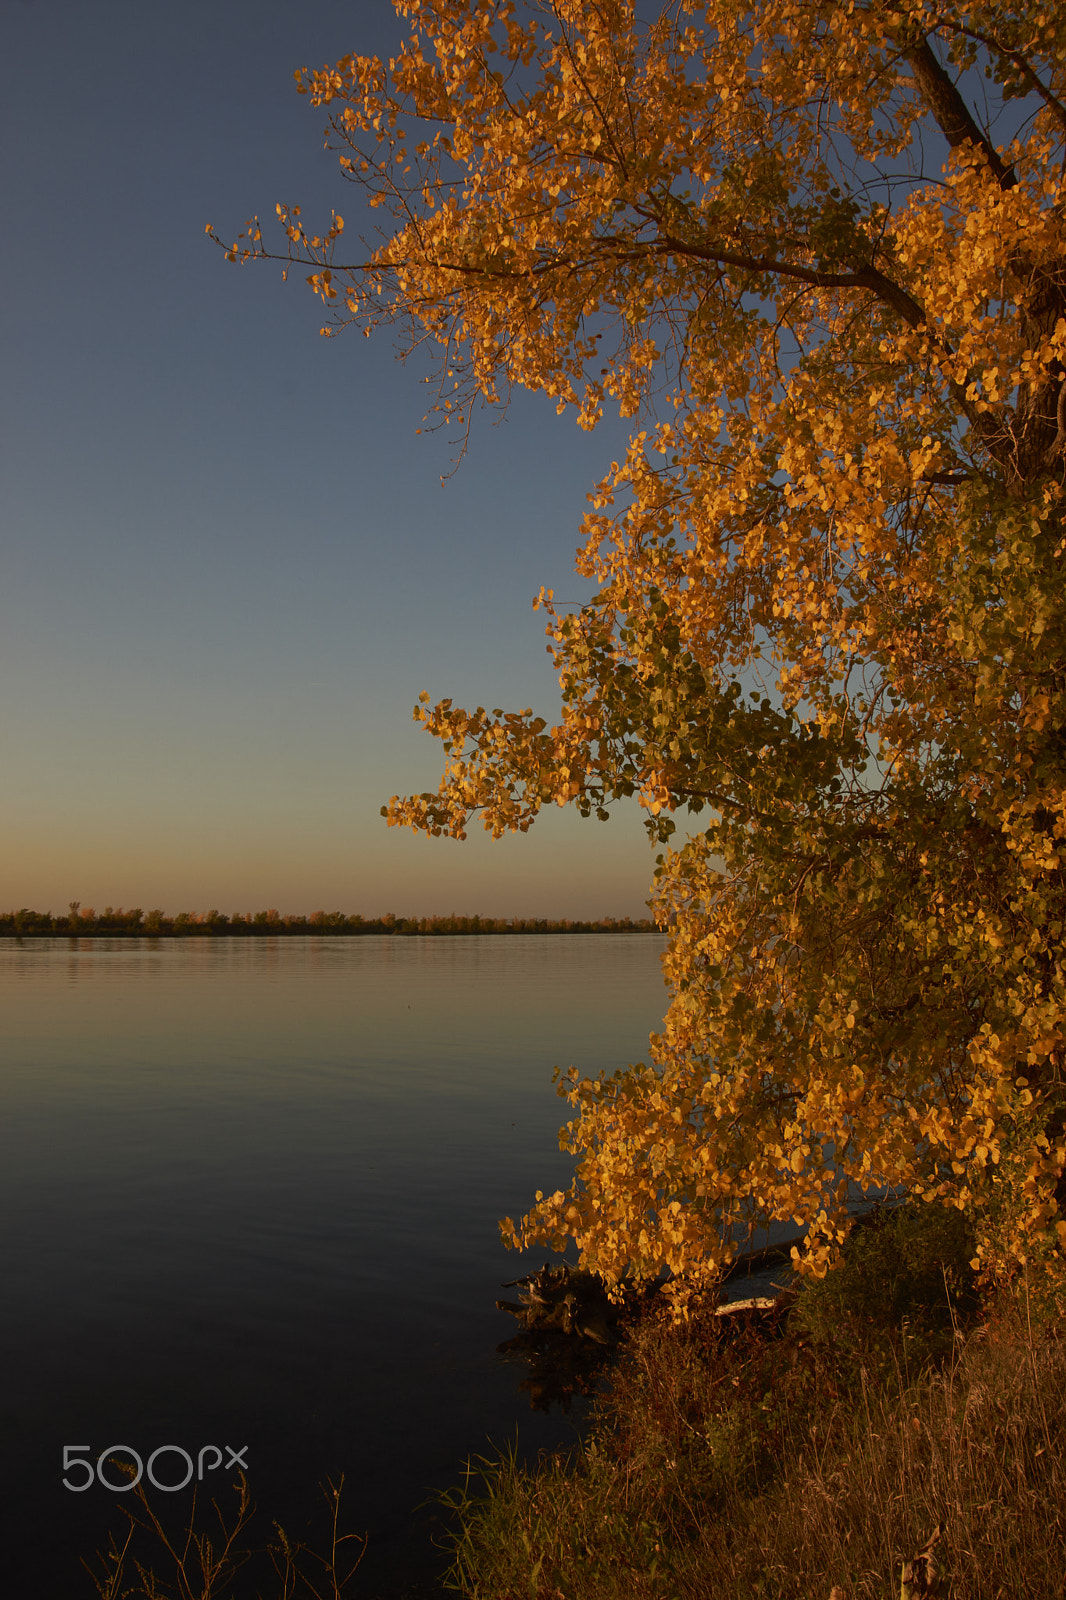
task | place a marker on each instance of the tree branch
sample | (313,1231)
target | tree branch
(868,277)
(951,111)
(1016,59)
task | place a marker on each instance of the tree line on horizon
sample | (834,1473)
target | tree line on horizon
(135,923)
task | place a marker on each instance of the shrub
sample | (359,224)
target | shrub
(905,1283)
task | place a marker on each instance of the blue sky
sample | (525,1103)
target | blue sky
(229,565)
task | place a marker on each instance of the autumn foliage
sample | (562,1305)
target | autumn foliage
(817,251)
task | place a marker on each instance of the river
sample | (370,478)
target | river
(250,1191)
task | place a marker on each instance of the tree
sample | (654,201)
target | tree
(830,567)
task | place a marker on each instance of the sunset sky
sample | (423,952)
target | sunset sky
(229,564)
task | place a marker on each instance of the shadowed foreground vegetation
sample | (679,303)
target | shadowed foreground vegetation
(136,924)
(809,1458)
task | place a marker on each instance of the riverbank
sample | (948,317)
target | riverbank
(807,1453)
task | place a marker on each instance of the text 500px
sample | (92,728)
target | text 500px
(77,1458)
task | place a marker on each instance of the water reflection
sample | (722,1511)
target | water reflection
(250,1191)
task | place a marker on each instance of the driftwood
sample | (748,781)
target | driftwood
(567,1302)
(762,1303)
(557,1299)
(569,1329)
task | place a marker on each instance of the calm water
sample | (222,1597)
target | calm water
(249,1193)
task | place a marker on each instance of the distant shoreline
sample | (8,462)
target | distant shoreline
(138,924)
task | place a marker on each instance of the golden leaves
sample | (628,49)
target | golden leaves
(829,566)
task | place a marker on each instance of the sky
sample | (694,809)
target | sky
(229,564)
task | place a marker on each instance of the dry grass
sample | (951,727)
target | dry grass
(977,1448)
(208,1557)
(738,1467)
